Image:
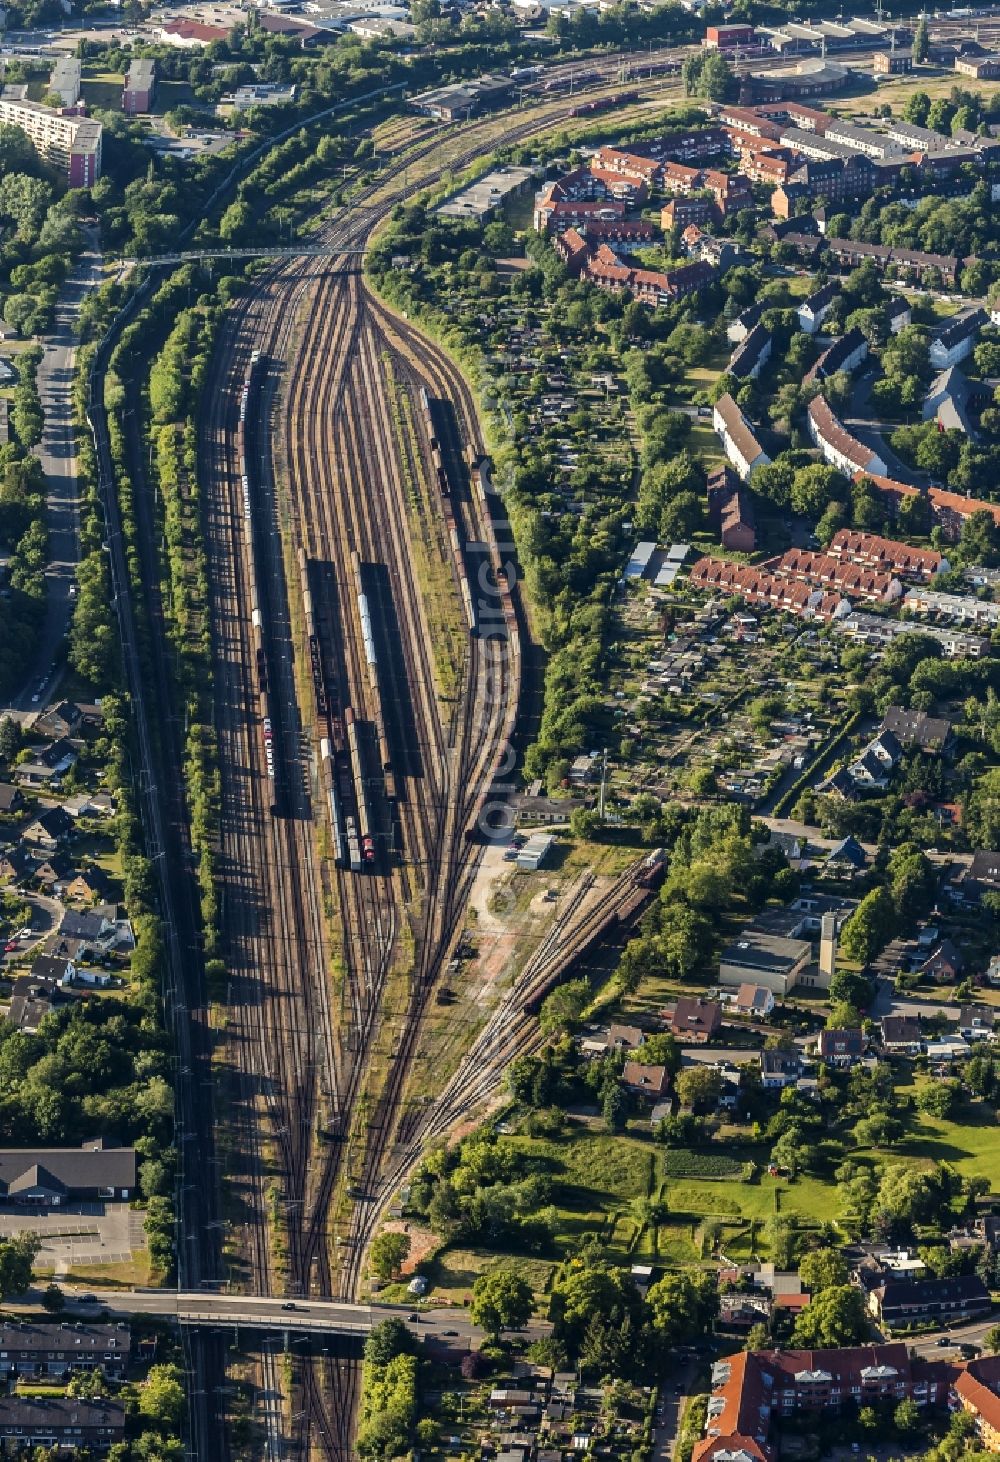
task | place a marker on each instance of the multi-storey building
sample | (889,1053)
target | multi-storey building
(72,143)
(67,1422)
(839,448)
(752,1390)
(28,1349)
(65,79)
(742,448)
(140,86)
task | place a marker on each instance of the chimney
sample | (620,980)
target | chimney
(827,948)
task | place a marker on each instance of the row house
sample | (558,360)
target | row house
(850,253)
(962,608)
(53,1349)
(976,1391)
(908,1302)
(624,233)
(696,144)
(845,354)
(949,510)
(741,447)
(878,632)
(827,572)
(770,165)
(759,586)
(751,121)
(839,448)
(886,554)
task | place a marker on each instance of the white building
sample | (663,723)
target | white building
(839,448)
(739,443)
(72,143)
(956,341)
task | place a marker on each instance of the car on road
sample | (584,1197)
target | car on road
(449,1332)
(414,1316)
(87,1299)
(11,946)
(943,1341)
(288,1305)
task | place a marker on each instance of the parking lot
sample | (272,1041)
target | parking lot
(84,1234)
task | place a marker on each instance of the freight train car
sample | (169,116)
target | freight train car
(366,837)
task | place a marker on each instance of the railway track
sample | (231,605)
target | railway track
(322,1082)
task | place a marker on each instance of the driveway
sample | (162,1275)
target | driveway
(57,454)
(887,1002)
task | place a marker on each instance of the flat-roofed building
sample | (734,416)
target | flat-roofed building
(140,86)
(64,81)
(72,143)
(764,959)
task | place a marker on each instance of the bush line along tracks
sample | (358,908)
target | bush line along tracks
(295,1059)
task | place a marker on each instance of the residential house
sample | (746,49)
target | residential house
(90,885)
(814,309)
(695,1020)
(756,1387)
(737,330)
(48,765)
(976,1022)
(949,399)
(49,829)
(751,355)
(957,338)
(51,1177)
(32,999)
(52,969)
(845,354)
(51,1349)
(625,1037)
(900,1302)
(840,1047)
(742,448)
(730,509)
(917,729)
(53,873)
(649,1082)
(849,854)
(755,1001)
(58,721)
(16,865)
(779,1069)
(839,448)
(898,313)
(944,965)
(65,1422)
(901,1035)
(11,799)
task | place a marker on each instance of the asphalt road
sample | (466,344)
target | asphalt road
(447,1326)
(57,454)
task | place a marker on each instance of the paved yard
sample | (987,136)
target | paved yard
(83,1235)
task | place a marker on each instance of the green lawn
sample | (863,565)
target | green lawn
(103,89)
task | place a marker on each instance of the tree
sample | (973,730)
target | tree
(835,1317)
(681,1305)
(387,1340)
(921,52)
(906,1417)
(17,1259)
(53,1299)
(822,1269)
(698,1087)
(940,1098)
(813,488)
(991,1340)
(869,928)
(501,1301)
(161,1397)
(562,1009)
(389,1251)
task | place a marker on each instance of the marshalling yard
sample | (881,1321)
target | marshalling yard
(367,717)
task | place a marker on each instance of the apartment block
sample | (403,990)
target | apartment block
(72,143)
(140,86)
